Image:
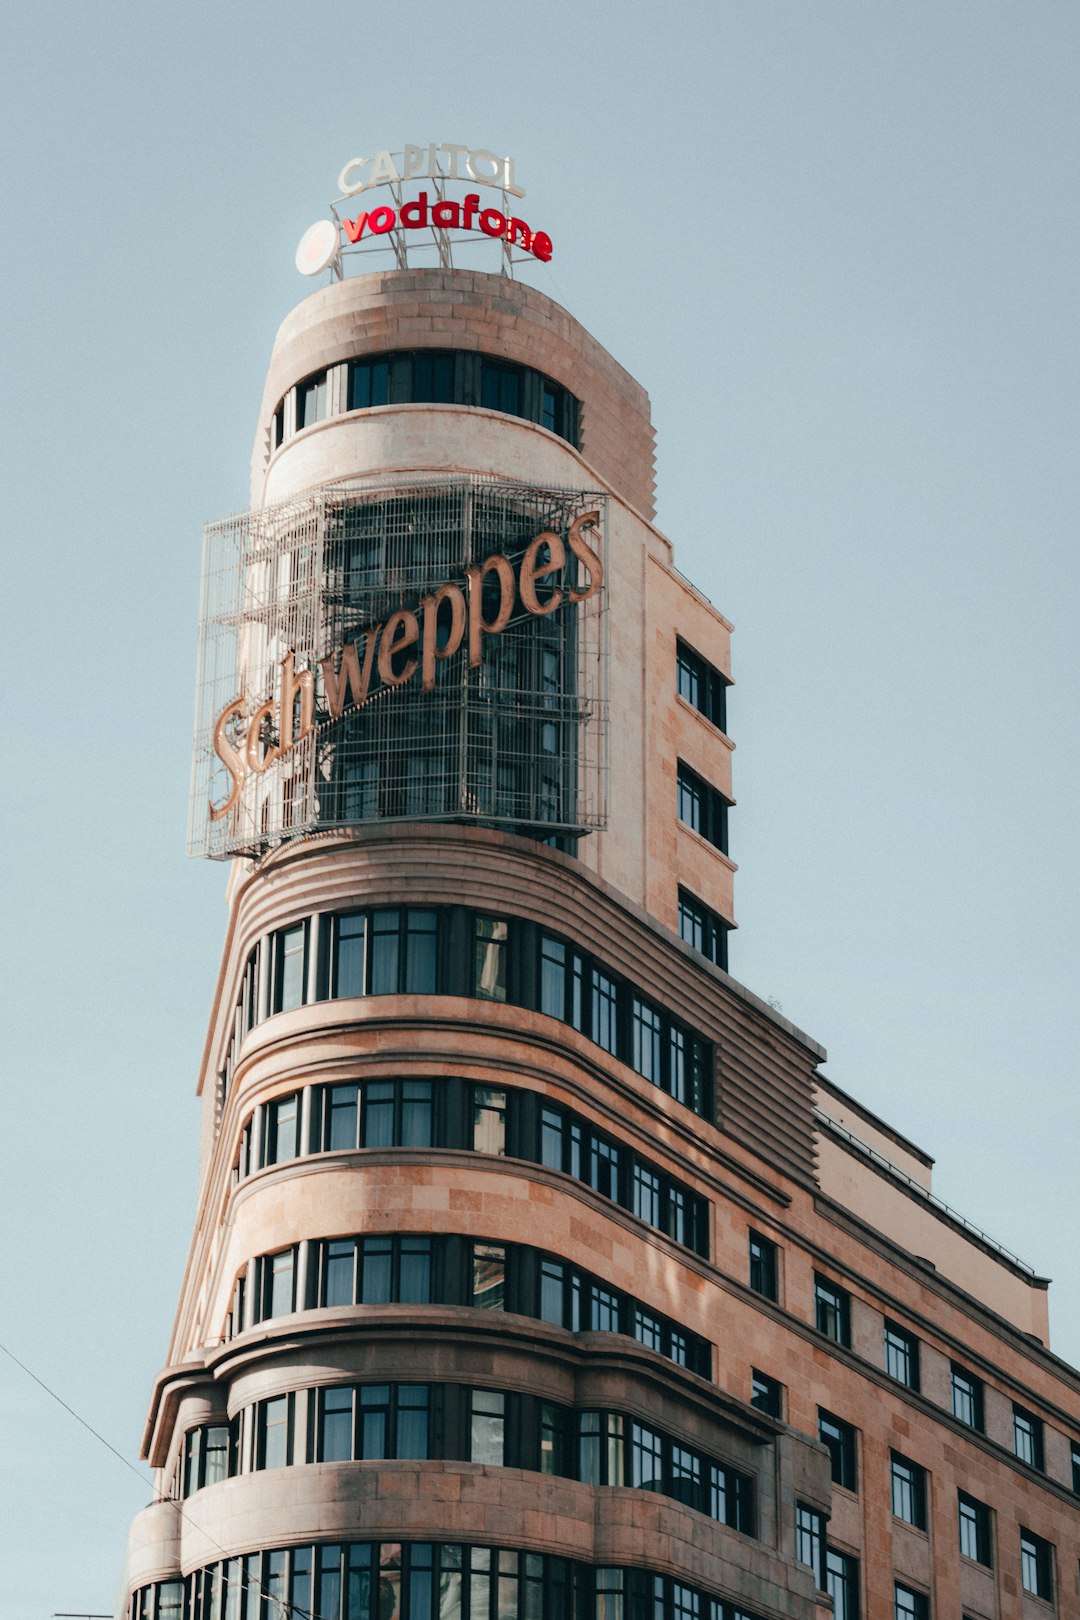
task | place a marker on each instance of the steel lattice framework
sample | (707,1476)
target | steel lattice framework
(517,742)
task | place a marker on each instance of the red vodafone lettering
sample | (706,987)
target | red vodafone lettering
(450,216)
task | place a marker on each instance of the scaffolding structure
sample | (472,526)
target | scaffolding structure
(517,742)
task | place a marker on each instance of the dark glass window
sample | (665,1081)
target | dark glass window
(312,400)
(974,1529)
(1036,1565)
(908,1483)
(810,1540)
(901,1355)
(842,1584)
(766,1393)
(394,1268)
(402,951)
(290,968)
(275,1284)
(1075,1455)
(488,1276)
(832,1311)
(489,974)
(340,1118)
(350,933)
(701,685)
(281,1129)
(397,1113)
(703,928)
(209,1456)
(488,1120)
(456,377)
(702,807)
(840,1438)
(967,1397)
(1027,1437)
(909,1605)
(763,1266)
(274,1432)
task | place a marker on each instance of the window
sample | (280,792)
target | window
(274,1432)
(840,1438)
(456,377)
(487,1426)
(275,1285)
(403,953)
(397,1113)
(702,686)
(901,1355)
(832,1311)
(340,1119)
(281,1124)
(1036,1565)
(908,1491)
(1027,1437)
(909,1605)
(384,1270)
(967,1397)
(312,398)
(349,941)
(290,968)
(810,1541)
(488,1276)
(842,1584)
(702,807)
(489,973)
(488,1120)
(974,1529)
(766,1393)
(763,1267)
(703,928)
(1075,1453)
(209,1456)
(392,1421)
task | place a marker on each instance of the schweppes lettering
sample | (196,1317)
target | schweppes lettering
(403,644)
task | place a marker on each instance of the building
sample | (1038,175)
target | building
(538,1270)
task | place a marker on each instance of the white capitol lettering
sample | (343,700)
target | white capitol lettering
(482,167)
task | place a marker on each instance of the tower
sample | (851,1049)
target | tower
(537,1270)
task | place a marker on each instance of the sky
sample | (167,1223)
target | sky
(837,243)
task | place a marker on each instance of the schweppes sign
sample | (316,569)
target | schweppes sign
(408,643)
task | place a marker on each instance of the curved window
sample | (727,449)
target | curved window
(424,1580)
(450,1113)
(405,1268)
(436,377)
(460,1422)
(452,951)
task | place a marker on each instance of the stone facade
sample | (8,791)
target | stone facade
(776,1160)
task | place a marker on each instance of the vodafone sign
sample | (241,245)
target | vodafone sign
(432,212)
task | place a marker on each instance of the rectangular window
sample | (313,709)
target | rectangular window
(397,1113)
(731,1498)
(832,1311)
(974,1529)
(646,1195)
(763,1266)
(647,1032)
(605,1023)
(290,968)
(488,1277)
(1027,1437)
(840,1438)
(311,400)
(908,1491)
(1036,1565)
(703,929)
(1075,1452)
(273,1432)
(967,1397)
(349,940)
(277,1284)
(702,686)
(334,1424)
(488,1120)
(604,1168)
(810,1541)
(702,807)
(282,1127)
(487,1426)
(909,1605)
(766,1393)
(402,950)
(341,1118)
(489,975)
(901,1355)
(842,1584)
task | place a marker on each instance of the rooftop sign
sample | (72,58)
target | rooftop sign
(434,219)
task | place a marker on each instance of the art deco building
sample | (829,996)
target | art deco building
(538,1271)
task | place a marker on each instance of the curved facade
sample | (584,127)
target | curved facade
(533,1255)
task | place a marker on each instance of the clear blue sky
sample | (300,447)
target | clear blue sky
(837,242)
